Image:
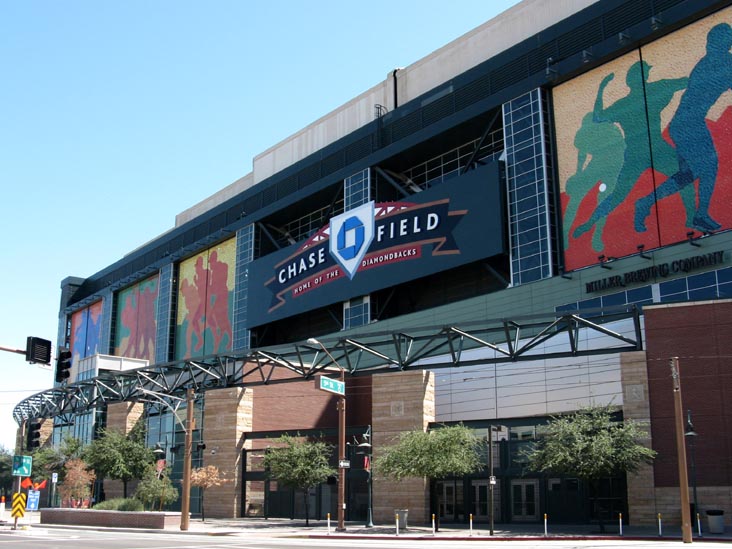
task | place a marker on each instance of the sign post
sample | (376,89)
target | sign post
(338,387)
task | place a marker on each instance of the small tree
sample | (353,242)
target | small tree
(436,454)
(590,445)
(156,487)
(53,459)
(299,464)
(118,456)
(77,482)
(440,453)
(205,477)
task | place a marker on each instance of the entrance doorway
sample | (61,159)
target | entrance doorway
(525,500)
(451,500)
(481,500)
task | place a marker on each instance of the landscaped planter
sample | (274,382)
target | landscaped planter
(111,519)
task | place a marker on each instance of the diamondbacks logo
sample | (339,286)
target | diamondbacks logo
(354,232)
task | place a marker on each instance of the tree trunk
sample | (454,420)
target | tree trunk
(203,512)
(307,507)
(124,488)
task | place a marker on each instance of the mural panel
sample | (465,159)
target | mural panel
(136,320)
(205,302)
(86,331)
(643,146)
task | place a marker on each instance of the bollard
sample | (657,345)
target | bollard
(660,526)
(2,509)
(396,518)
(328,516)
(698,525)
(471,525)
(433,524)
(620,523)
(546,532)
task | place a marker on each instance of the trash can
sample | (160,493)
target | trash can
(715,521)
(403,516)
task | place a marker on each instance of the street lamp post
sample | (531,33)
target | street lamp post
(681,452)
(188,428)
(185,500)
(341,439)
(691,434)
(366,450)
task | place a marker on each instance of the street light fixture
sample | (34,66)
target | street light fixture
(341,439)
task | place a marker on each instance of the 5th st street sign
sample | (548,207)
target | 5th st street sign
(330,385)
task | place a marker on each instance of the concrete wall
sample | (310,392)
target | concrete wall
(402,401)
(227,418)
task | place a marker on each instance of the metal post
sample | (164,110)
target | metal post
(185,500)
(490,478)
(691,434)
(341,439)
(341,457)
(681,452)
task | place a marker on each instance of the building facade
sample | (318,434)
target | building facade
(533,219)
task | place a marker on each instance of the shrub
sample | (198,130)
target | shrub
(131,504)
(120,504)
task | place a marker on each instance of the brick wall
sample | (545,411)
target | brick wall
(699,334)
(402,401)
(227,418)
(118,519)
(122,416)
(642,508)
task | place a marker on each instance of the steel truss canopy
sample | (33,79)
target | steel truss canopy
(536,337)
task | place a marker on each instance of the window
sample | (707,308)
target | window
(356,312)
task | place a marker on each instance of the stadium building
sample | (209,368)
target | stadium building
(532,219)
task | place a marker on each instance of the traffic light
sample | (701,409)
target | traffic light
(34,435)
(63,365)
(37,350)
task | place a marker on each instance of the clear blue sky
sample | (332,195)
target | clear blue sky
(116,116)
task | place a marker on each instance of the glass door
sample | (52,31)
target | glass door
(525,500)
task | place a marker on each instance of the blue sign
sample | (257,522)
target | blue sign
(34,496)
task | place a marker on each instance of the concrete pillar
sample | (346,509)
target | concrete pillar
(227,418)
(122,417)
(402,402)
(642,507)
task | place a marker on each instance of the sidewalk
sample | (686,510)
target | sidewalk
(276,527)
(319,528)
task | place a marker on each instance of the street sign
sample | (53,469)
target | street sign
(34,496)
(22,466)
(54,477)
(344,464)
(330,385)
(492,479)
(18,509)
